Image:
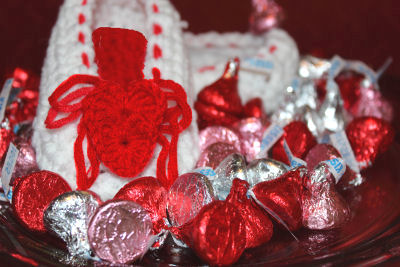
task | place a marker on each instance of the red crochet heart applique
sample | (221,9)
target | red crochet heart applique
(124,115)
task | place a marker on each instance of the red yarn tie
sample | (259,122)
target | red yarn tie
(123,115)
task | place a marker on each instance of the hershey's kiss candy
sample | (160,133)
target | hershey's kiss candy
(372,103)
(250,131)
(151,195)
(259,227)
(68,216)
(216,134)
(33,193)
(189,193)
(217,234)
(323,207)
(214,154)
(26,160)
(299,139)
(322,152)
(266,14)
(233,166)
(369,137)
(120,231)
(261,170)
(220,103)
(283,197)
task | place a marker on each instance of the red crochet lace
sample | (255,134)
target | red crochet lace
(124,115)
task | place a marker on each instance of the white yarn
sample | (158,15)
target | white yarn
(54,148)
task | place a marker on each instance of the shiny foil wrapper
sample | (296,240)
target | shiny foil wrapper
(261,170)
(322,152)
(187,196)
(68,216)
(250,132)
(120,231)
(218,233)
(300,97)
(313,67)
(32,194)
(266,15)
(372,103)
(233,166)
(369,137)
(26,160)
(219,103)
(259,228)
(299,139)
(332,112)
(323,207)
(282,196)
(151,195)
(6,136)
(214,154)
(218,134)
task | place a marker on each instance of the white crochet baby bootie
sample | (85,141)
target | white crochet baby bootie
(269,62)
(71,52)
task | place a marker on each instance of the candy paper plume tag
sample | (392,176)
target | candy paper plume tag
(270,137)
(294,161)
(5,92)
(341,143)
(120,112)
(8,168)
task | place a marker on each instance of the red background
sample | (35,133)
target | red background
(368,30)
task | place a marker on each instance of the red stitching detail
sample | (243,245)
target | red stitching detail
(232,45)
(81,18)
(206,68)
(84,2)
(85,60)
(155,8)
(209,45)
(272,49)
(81,37)
(157,29)
(157,52)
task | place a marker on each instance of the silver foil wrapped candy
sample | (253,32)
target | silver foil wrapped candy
(189,193)
(233,166)
(261,170)
(68,216)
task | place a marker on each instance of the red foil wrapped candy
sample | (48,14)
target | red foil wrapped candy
(33,193)
(283,197)
(217,234)
(299,139)
(259,228)
(369,137)
(151,195)
(220,103)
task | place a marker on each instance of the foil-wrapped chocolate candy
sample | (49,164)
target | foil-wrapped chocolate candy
(313,67)
(233,166)
(68,216)
(261,170)
(323,207)
(250,131)
(214,154)
(217,134)
(26,160)
(189,193)
(120,231)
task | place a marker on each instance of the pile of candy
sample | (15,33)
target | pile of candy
(290,166)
